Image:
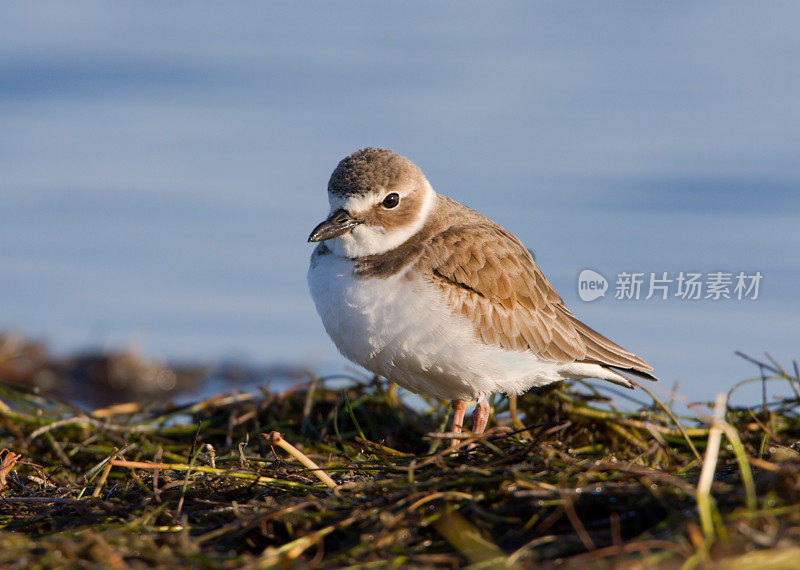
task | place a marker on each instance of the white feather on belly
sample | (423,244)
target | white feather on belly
(399,327)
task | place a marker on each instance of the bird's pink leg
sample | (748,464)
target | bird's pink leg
(459,407)
(481,415)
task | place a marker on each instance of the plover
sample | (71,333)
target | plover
(430,294)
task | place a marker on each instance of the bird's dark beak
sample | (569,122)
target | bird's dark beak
(338,224)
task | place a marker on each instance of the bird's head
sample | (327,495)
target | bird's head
(378,200)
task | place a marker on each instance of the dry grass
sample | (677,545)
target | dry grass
(585,484)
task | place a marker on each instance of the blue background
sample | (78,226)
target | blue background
(161,164)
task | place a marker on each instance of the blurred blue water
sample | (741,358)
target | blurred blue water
(162,165)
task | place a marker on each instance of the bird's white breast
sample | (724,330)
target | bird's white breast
(400,327)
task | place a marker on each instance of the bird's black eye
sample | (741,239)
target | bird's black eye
(391,200)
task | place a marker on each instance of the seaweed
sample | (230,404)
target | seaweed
(351,472)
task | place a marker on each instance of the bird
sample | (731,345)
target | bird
(430,294)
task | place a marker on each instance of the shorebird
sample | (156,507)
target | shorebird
(424,291)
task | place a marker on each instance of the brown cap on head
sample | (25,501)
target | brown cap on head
(369,169)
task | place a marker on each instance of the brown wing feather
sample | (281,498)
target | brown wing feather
(490,278)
